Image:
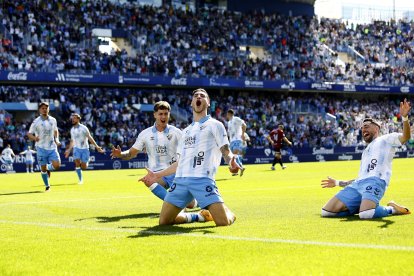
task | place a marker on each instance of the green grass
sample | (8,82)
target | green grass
(109,226)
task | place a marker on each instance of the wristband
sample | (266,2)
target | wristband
(336,182)
(404,119)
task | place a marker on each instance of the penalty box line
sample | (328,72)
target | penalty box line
(218,237)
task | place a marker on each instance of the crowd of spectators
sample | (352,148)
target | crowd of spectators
(113,119)
(56,35)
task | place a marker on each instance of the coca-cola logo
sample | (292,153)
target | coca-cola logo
(20,76)
(180,81)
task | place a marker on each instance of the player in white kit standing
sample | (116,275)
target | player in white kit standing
(29,159)
(80,136)
(45,133)
(236,128)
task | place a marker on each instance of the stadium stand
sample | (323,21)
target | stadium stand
(56,36)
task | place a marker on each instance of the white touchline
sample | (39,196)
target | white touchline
(208,236)
(68,200)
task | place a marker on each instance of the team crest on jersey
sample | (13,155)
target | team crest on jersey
(152,138)
(169,137)
(189,141)
(202,127)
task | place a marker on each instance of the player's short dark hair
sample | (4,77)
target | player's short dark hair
(231,111)
(372,121)
(77,115)
(200,90)
(42,104)
(162,105)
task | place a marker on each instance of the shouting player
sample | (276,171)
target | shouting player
(160,143)
(362,195)
(203,144)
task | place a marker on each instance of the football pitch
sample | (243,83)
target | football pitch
(108,226)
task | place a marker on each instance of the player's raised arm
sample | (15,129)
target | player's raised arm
(405,107)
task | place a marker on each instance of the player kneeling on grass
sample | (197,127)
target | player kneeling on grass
(199,151)
(363,194)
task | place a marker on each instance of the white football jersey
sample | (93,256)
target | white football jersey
(235,128)
(377,157)
(199,149)
(44,129)
(7,154)
(161,147)
(28,154)
(79,135)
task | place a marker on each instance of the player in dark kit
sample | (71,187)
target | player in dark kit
(276,138)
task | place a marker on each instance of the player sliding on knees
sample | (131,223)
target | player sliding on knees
(363,194)
(199,151)
(160,143)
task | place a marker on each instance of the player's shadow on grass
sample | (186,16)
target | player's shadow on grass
(385,222)
(22,193)
(59,184)
(171,230)
(119,218)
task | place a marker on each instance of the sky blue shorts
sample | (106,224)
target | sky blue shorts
(169,179)
(8,161)
(184,189)
(45,157)
(29,161)
(81,154)
(372,188)
(236,145)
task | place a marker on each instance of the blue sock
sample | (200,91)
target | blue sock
(382,211)
(240,160)
(158,190)
(45,178)
(192,217)
(50,167)
(79,173)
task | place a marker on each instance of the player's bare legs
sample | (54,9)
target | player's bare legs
(333,208)
(169,213)
(222,215)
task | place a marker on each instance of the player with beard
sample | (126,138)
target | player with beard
(199,152)
(45,133)
(362,195)
(80,136)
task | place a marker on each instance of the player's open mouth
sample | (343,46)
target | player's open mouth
(365,134)
(198,103)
